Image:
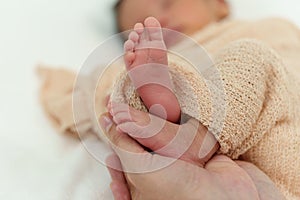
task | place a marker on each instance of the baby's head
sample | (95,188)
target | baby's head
(186,16)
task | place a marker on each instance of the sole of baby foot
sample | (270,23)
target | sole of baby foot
(145,49)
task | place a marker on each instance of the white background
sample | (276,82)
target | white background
(35,161)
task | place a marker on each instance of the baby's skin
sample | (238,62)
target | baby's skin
(145,51)
(147,62)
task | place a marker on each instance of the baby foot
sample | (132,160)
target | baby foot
(147,65)
(191,141)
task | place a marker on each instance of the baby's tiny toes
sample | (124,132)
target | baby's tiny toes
(139,28)
(128,45)
(133,36)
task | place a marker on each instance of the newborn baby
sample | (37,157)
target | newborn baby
(262,116)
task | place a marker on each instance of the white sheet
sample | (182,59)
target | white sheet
(36,161)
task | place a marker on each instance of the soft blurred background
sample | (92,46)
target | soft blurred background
(36,162)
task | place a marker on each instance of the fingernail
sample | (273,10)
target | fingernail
(106,123)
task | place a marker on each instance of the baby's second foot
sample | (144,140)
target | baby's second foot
(147,65)
(191,141)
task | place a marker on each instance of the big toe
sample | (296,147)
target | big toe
(151,22)
(154,28)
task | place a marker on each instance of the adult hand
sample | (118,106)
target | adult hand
(221,178)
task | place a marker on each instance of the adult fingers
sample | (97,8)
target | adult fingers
(137,164)
(120,192)
(118,186)
(115,169)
